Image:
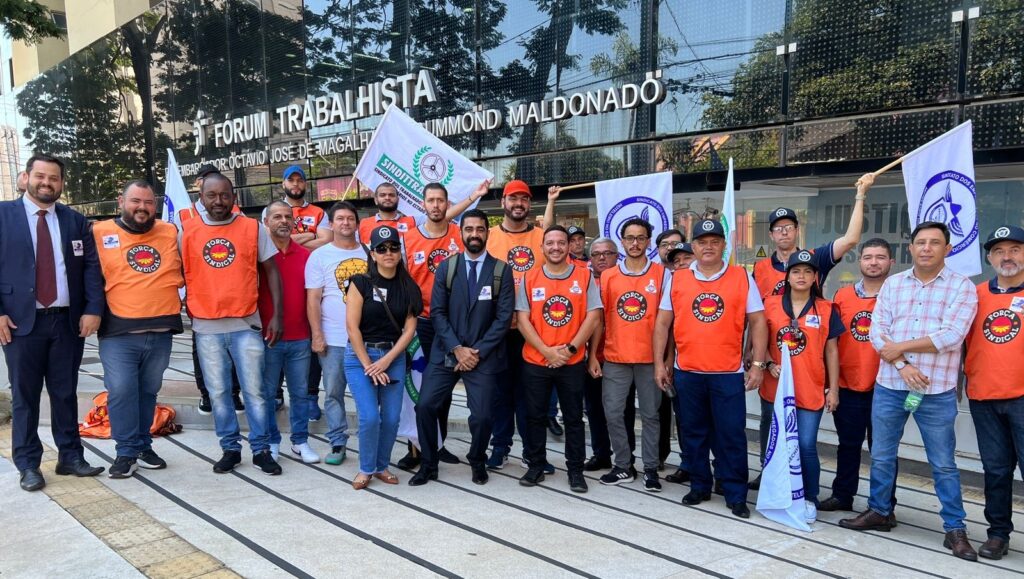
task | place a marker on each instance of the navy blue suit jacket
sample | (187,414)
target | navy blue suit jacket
(18,266)
(463,320)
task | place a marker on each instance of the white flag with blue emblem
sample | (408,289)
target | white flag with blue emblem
(175,195)
(781,496)
(729,218)
(939,177)
(648,197)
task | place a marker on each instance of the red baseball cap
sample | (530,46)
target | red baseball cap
(517,187)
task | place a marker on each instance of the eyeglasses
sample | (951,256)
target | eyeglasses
(630,240)
(603,254)
(668,244)
(387,248)
(783,228)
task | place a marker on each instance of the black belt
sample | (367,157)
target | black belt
(52,311)
(380,345)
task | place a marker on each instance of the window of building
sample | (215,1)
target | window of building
(61,20)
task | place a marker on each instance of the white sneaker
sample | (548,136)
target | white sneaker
(307,453)
(810,512)
(275,451)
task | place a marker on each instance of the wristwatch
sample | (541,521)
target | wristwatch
(761,365)
(572,349)
(900,364)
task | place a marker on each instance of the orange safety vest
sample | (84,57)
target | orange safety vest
(142,271)
(558,308)
(221,264)
(709,320)
(403,224)
(307,217)
(858,360)
(630,310)
(807,352)
(770,281)
(995,347)
(423,254)
(522,250)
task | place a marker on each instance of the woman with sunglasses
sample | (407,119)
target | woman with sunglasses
(382,306)
(810,325)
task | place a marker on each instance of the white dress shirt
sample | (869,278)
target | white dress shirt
(31,209)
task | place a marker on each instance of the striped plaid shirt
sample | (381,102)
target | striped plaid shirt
(941,310)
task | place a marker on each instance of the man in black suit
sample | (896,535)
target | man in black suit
(471,310)
(51,299)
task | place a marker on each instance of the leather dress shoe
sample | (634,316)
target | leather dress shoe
(480,475)
(869,521)
(422,477)
(446,456)
(741,510)
(956,541)
(718,490)
(755,484)
(533,476)
(78,467)
(596,463)
(679,477)
(410,461)
(32,480)
(994,548)
(695,498)
(834,504)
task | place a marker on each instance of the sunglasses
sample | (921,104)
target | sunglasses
(387,248)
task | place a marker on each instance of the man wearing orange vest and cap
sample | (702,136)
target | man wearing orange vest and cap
(995,381)
(386,199)
(705,310)
(311,229)
(221,252)
(519,243)
(139,257)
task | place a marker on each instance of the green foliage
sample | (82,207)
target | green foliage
(28,21)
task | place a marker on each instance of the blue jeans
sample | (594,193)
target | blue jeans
(243,351)
(133,371)
(1000,428)
(935,419)
(293,356)
(379,409)
(332,361)
(807,422)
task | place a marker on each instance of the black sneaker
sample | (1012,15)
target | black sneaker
(597,463)
(651,482)
(204,406)
(617,476)
(554,427)
(577,483)
(227,462)
(265,461)
(533,477)
(149,459)
(239,407)
(123,467)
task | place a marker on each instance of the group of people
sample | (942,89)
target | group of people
(516,311)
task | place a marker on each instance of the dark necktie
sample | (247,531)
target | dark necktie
(472,280)
(46,269)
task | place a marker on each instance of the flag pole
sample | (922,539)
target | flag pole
(579,185)
(889,166)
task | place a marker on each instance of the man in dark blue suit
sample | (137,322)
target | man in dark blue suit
(471,310)
(51,299)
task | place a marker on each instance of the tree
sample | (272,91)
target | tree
(28,21)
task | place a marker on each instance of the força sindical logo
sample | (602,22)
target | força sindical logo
(860,326)
(143,258)
(792,337)
(631,306)
(520,258)
(435,258)
(1001,326)
(219,252)
(557,311)
(708,307)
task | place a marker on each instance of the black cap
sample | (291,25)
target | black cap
(679,248)
(802,257)
(782,213)
(573,230)
(708,227)
(382,235)
(1005,233)
(206,170)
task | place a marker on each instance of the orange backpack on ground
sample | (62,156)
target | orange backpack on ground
(97,421)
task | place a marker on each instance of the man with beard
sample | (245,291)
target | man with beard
(310,228)
(578,245)
(139,256)
(517,242)
(667,241)
(291,354)
(994,368)
(858,366)
(51,299)
(425,248)
(386,199)
(558,307)
(473,302)
(221,250)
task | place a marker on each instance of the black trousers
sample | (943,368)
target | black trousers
(436,396)
(665,429)
(425,332)
(538,382)
(51,353)
(236,386)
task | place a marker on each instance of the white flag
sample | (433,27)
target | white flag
(175,195)
(648,197)
(781,497)
(403,153)
(939,178)
(412,385)
(729,218)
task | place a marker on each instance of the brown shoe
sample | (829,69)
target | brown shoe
(869,521)
(956,541)
(361,482)
(994,548)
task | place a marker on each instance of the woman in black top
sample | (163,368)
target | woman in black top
(381,318)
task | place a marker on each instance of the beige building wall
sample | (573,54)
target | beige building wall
(31,60)
(90,20)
